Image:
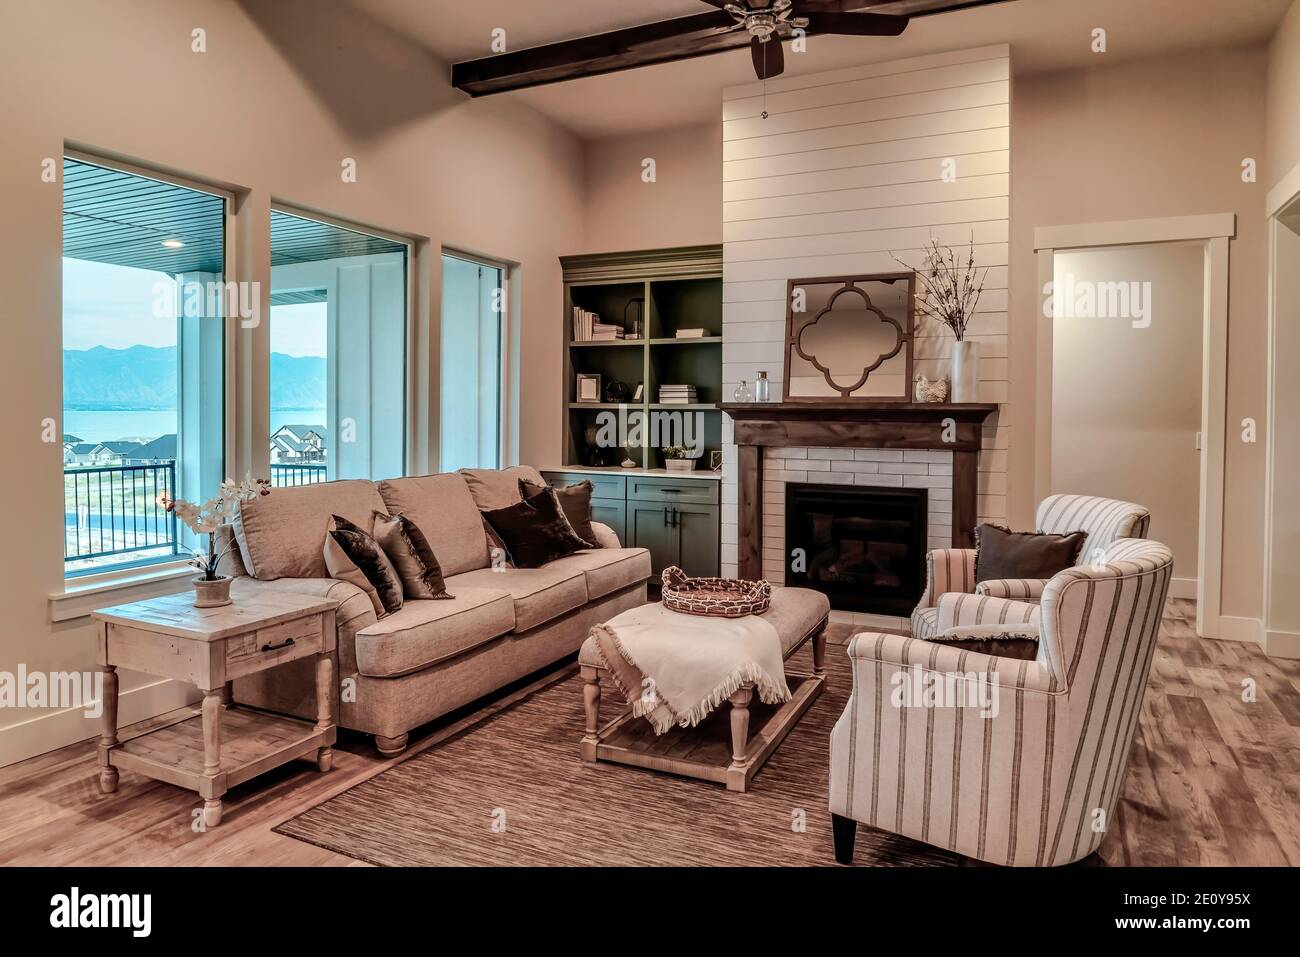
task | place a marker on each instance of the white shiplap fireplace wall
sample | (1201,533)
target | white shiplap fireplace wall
(845,173)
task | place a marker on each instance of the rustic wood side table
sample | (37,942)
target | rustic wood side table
(224,744)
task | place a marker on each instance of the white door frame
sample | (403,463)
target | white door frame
(1213,230)
(1285,644)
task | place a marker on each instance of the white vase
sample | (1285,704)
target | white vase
(965,371)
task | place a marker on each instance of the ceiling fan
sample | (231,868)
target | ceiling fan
(762,25)
(768,22)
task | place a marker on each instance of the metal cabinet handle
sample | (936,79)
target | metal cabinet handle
(284,644)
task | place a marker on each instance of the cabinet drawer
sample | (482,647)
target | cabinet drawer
(602,486)
(699,491)
(273,645)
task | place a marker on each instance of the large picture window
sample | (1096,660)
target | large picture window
(338,352)
(143,351)
(474,309)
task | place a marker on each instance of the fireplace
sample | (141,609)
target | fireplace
(864,547)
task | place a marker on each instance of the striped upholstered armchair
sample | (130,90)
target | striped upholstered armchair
(1017,762)
(950,572)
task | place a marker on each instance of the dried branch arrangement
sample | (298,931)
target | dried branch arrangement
(948,289)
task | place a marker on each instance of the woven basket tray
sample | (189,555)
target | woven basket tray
(718,597)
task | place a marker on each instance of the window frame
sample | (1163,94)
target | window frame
(507,270)
(96,579)
(410,287)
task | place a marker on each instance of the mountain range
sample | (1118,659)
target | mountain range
(143,378)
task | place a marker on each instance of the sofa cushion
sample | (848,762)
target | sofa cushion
(535,532)
(410,553)
(497,488)
(425,631)
(539,594)
(282,535)
(445,512)
(608,569)
(575,502)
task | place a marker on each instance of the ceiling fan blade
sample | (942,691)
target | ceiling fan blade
(856,24)
(677,39)
(769,58)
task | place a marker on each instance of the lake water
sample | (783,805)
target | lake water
(104,425)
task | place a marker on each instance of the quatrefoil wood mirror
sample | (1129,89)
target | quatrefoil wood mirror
(849,337)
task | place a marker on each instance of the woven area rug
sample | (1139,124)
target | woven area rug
(511,791)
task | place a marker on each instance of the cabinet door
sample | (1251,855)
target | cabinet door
(647,527)
(697,533)
(611,512)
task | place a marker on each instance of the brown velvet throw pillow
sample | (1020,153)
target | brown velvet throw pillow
(409,551)
(1002,553)
(575,503)
(350,549)
(535,531)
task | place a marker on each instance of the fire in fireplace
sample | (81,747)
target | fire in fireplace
(864,547)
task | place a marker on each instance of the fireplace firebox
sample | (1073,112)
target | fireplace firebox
(864,547)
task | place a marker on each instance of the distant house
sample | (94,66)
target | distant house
(110,453)
(156,452)
(298,445)
(69,439)
(79,453)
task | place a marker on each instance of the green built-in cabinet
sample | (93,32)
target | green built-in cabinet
(665,290)
(677,519)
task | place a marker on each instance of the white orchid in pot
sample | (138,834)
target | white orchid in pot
(948,288)
(210,588)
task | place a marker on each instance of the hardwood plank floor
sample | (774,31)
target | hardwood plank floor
(1214,778)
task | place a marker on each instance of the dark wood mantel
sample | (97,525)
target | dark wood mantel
(944,426)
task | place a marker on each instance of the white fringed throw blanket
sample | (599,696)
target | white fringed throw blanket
(690,663)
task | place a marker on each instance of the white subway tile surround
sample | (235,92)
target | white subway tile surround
(846,172)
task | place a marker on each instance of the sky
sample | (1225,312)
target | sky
(112,306)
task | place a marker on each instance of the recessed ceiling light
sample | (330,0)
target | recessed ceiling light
(173,244)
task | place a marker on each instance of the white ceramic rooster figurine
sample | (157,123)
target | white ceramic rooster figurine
(923,390)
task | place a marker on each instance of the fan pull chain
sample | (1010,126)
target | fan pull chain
(764,113)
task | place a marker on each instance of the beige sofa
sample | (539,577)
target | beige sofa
(430,657)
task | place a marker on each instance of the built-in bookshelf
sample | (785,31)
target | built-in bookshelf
(659,293)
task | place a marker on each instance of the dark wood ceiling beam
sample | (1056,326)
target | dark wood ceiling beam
(664,42)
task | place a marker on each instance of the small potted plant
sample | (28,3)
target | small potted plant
(678,458)
(212,590)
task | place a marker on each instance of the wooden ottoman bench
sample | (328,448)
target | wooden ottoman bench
(721,748)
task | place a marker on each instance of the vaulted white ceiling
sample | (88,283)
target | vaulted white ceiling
(1045,35)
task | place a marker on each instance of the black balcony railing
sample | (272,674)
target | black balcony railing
(115,510)
(287,475)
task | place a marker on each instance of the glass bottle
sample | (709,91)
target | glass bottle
(742,393)
(762,388)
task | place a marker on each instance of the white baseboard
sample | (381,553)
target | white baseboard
(1238,629)
(1183,588)
(1282,644)
(58,729)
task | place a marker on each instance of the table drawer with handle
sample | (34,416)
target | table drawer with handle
(273,645)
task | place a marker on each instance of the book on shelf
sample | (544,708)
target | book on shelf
(674,394)
(587,327)
(690,334)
